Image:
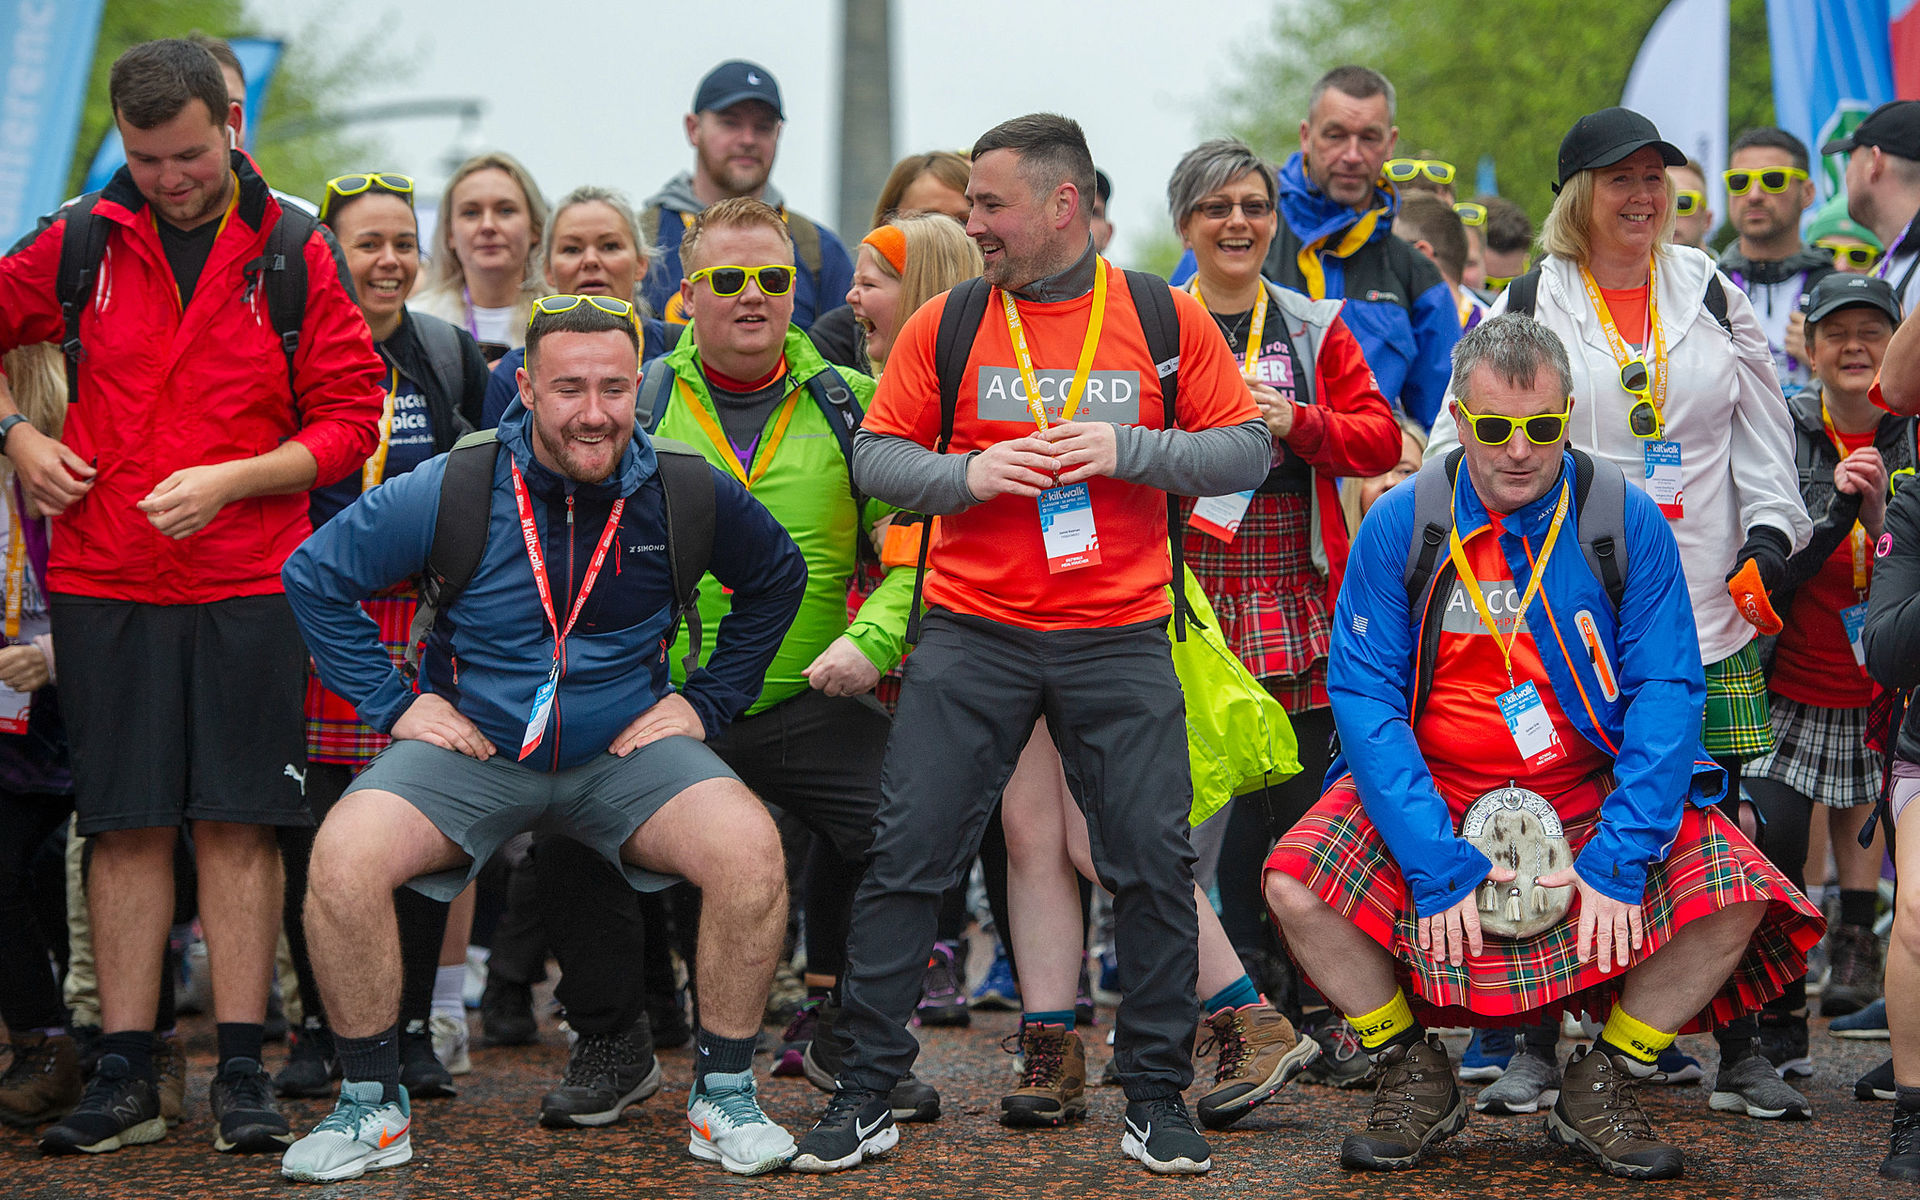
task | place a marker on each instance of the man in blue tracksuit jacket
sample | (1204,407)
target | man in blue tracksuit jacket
(545,699)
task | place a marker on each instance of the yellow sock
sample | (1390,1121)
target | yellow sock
(1634,1037)
(1385,1023)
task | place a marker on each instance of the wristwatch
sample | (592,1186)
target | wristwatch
(6,427)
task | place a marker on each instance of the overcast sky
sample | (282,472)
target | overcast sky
(1140,75)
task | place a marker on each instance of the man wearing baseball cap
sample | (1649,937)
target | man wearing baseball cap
(734,129)
(1883,188)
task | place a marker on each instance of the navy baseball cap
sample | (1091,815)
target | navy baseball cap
(1840,290)
(1894,127)
(736,80)
(1603,138)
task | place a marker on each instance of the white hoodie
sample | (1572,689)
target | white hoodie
(1723,406)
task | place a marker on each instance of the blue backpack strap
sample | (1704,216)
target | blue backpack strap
(656,389)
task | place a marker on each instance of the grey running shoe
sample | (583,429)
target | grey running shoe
(1529,1084)
(1598,1112)
(1750,1085)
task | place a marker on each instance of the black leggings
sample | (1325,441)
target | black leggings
(29,940)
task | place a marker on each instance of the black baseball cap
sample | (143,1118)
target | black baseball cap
(1102,186)
(1839,290)
(1894,127)
(736,80)
(1604,138)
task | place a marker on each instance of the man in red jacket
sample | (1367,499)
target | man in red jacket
(179,487)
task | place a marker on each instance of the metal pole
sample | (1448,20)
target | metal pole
(866,112)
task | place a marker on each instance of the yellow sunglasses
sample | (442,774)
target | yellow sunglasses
(1687,202)
(1850,254)
(731,281)
(1471,213)
(1773,180)
(1405,170)
(553,306)
(1542,430)
(342,187)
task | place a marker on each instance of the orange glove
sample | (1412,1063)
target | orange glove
(1750,597)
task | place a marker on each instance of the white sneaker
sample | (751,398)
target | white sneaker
(730,1129)
(450,1041)
(361,1134)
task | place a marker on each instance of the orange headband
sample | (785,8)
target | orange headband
(892,245)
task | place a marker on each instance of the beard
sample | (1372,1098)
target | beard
(583,464)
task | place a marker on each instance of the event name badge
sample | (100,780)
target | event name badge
(1663,477)
(542,709)
(1220,516)
(1531,727)
(15,708)
(1854,620)
(1066,526)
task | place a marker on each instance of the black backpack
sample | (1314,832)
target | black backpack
(1525,289)
(281,269)
(466,505)
(966,307)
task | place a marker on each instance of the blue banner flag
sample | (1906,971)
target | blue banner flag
(47,50)
(1832,65)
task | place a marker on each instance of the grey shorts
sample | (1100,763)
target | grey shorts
(479,805)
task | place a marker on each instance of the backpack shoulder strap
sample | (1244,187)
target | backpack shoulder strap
(446,359)
(82,247)
(1160,323)
(960,318)
(282,272)
(686,480)
(842,410)
(460,531)
(1716,301)
(1600,488)
(656,389)
(806,242)
(1432,520)
(1524,290)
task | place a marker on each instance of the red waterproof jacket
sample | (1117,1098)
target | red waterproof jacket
(162,389)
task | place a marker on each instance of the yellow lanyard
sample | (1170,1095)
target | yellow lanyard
(1253,333)
(16,572)
(1858,538)
(763,458)
(1356,236)
(1472,583)
(1654,349)
(375,468)
(1081,373)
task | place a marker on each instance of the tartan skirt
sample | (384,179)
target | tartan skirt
(1821,753)
(1737,722)
(1336,851)
(1271,603)
(335,733)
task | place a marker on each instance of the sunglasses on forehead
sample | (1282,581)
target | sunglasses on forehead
(1471,213)
(342,187)
(553,306)
(1542,430)
(731,281)
(1405,170)
(1773,180)
(1687,202)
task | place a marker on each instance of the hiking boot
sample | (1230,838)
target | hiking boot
(1160,1134)
(506,1014)
(790,1058)
(1259,1054)
(1750,1085)
(245,1119)
(1783,1042)
(1869,1024)
(312,1069)
(857,1125)
(606,1072)
(729,1127)
(1854,981)
(170,1079)
(1486,1056)
(421,1072)
(118,1108)
(1876,1084)
(1599,1112)
(1053,1087)
(1529,1083)
(1415,1104)
(363,1133)
(1903,1149)
(1341,1062)
(943,993)
(42,1081)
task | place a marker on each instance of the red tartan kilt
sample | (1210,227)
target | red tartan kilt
(334,731)
(1336,851)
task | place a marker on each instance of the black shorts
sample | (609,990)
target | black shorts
(182,712)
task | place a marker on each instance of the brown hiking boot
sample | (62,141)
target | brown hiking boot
(1415,1104)
(1599,1112)
(1259,1054)
(1854,981)
(1053,1088)
(169,1078)
(42,1082)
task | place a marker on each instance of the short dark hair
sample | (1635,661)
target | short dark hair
(1508,228)
(154,81)
(1425,217)
(1770,138)
(582,318)
(1352,80)
(1052,150)
(222,52)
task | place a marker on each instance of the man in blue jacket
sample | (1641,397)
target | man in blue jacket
(545,699)
(1448,710)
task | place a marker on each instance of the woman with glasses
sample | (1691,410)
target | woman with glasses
(1854,248)
(592,248)
(1692,219)
(1674,382)
(436,379)
(488,228)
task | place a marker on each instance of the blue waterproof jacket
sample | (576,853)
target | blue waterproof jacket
(1650,726)
(491,651)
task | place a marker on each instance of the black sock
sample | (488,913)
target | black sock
(722,1055)
(1415,1032)
(373,1059)
(1857,906)
(1792,1000)
(238,1040)
(1543,1040)
(1736,1039)
(1906,1097)
(134,1045)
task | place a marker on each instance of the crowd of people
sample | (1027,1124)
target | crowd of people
(669,594)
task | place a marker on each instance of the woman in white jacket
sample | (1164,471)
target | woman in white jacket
(1672,381)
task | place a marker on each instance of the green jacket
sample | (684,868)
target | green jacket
(807,490)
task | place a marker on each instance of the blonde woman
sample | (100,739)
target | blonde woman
(485,277)
(901,266)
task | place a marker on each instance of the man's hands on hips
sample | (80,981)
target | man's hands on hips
(52,474)
(1456,932)
(1608,927)
(672,716)
(432,720)
(842,669)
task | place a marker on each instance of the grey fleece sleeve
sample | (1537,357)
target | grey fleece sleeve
(1203,462)
(907,475)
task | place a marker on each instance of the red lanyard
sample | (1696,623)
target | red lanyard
(531,533)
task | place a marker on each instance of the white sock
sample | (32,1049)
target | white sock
(447,985)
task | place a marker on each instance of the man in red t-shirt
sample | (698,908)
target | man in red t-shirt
(1047,597)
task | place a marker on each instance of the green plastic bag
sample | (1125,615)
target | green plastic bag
(1238,735)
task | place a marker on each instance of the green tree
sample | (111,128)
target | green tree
(309,81)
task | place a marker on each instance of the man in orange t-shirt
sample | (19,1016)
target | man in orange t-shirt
(1048,597)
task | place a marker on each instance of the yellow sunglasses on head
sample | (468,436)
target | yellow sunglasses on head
(342,187)
(1405,170)
(553,306)
(1471,213)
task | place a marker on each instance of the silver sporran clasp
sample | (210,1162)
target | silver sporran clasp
(1519,830)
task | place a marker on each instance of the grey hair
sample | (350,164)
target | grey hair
(1351,80)
(1515,347)
(1207,168)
